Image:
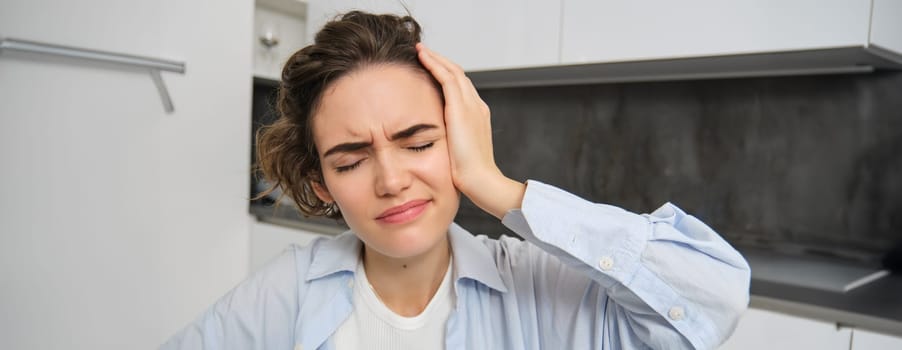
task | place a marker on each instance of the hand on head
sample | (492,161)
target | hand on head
(468,126)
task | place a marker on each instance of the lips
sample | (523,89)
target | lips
(404,212)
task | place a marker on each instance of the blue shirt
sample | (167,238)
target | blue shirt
(587,276)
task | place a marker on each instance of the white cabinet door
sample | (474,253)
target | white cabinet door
(290,31)
(886,25)
(321,11)
(864,340)
(613,30)
(488,35)
(761,329)
(477,35)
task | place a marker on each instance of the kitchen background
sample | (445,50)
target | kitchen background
(813,161)
(122,221)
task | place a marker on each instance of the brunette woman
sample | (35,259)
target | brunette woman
(386,134)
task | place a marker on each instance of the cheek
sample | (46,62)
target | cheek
(435,167)
(346,190)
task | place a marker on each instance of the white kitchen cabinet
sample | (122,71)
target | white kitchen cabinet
(288,28)
(762,329)
(864,340)
(886,25)
(488,35)
(612,31)
(526,43)
(477,35)
(321,11)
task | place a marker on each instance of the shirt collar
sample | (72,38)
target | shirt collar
(473,260)
(340,253)
(471,257)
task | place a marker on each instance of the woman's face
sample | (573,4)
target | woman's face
(380,135)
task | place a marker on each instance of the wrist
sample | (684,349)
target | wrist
(495,193)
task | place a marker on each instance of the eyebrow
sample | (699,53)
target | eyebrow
(403,134)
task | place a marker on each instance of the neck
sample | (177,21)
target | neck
(406,285)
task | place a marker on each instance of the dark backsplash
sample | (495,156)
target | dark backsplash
(811,163)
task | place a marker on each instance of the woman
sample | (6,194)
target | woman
(378,130)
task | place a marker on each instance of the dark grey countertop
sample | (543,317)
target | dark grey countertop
(826,288)
(288,215)
(876,306)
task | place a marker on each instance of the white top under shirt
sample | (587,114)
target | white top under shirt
(372,325)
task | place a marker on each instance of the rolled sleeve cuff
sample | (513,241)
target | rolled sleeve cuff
(603,238)
(607,242)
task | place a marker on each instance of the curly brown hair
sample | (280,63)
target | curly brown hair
(286,154)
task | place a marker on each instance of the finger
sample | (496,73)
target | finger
(448,80)
(440,71)
(463,80)
(466,86)
(450,66)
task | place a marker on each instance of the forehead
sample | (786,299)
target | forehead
(375,101)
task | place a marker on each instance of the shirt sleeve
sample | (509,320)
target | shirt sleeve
(668,280)
(259,313)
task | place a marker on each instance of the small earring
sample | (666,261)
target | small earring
(332,209)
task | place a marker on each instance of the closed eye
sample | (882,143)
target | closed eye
(421,148)
(345,168)
(356,164)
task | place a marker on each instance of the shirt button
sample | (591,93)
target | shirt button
(676,313)
(350,285)
(606,263)
(298,347)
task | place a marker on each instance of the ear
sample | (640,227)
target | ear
(321,191)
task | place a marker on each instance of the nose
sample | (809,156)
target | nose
(392,177)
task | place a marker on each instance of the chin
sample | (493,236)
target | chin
(408,242)
(410,239)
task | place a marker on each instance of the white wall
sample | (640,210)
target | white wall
(120,223)
(268,241)
(865,340)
